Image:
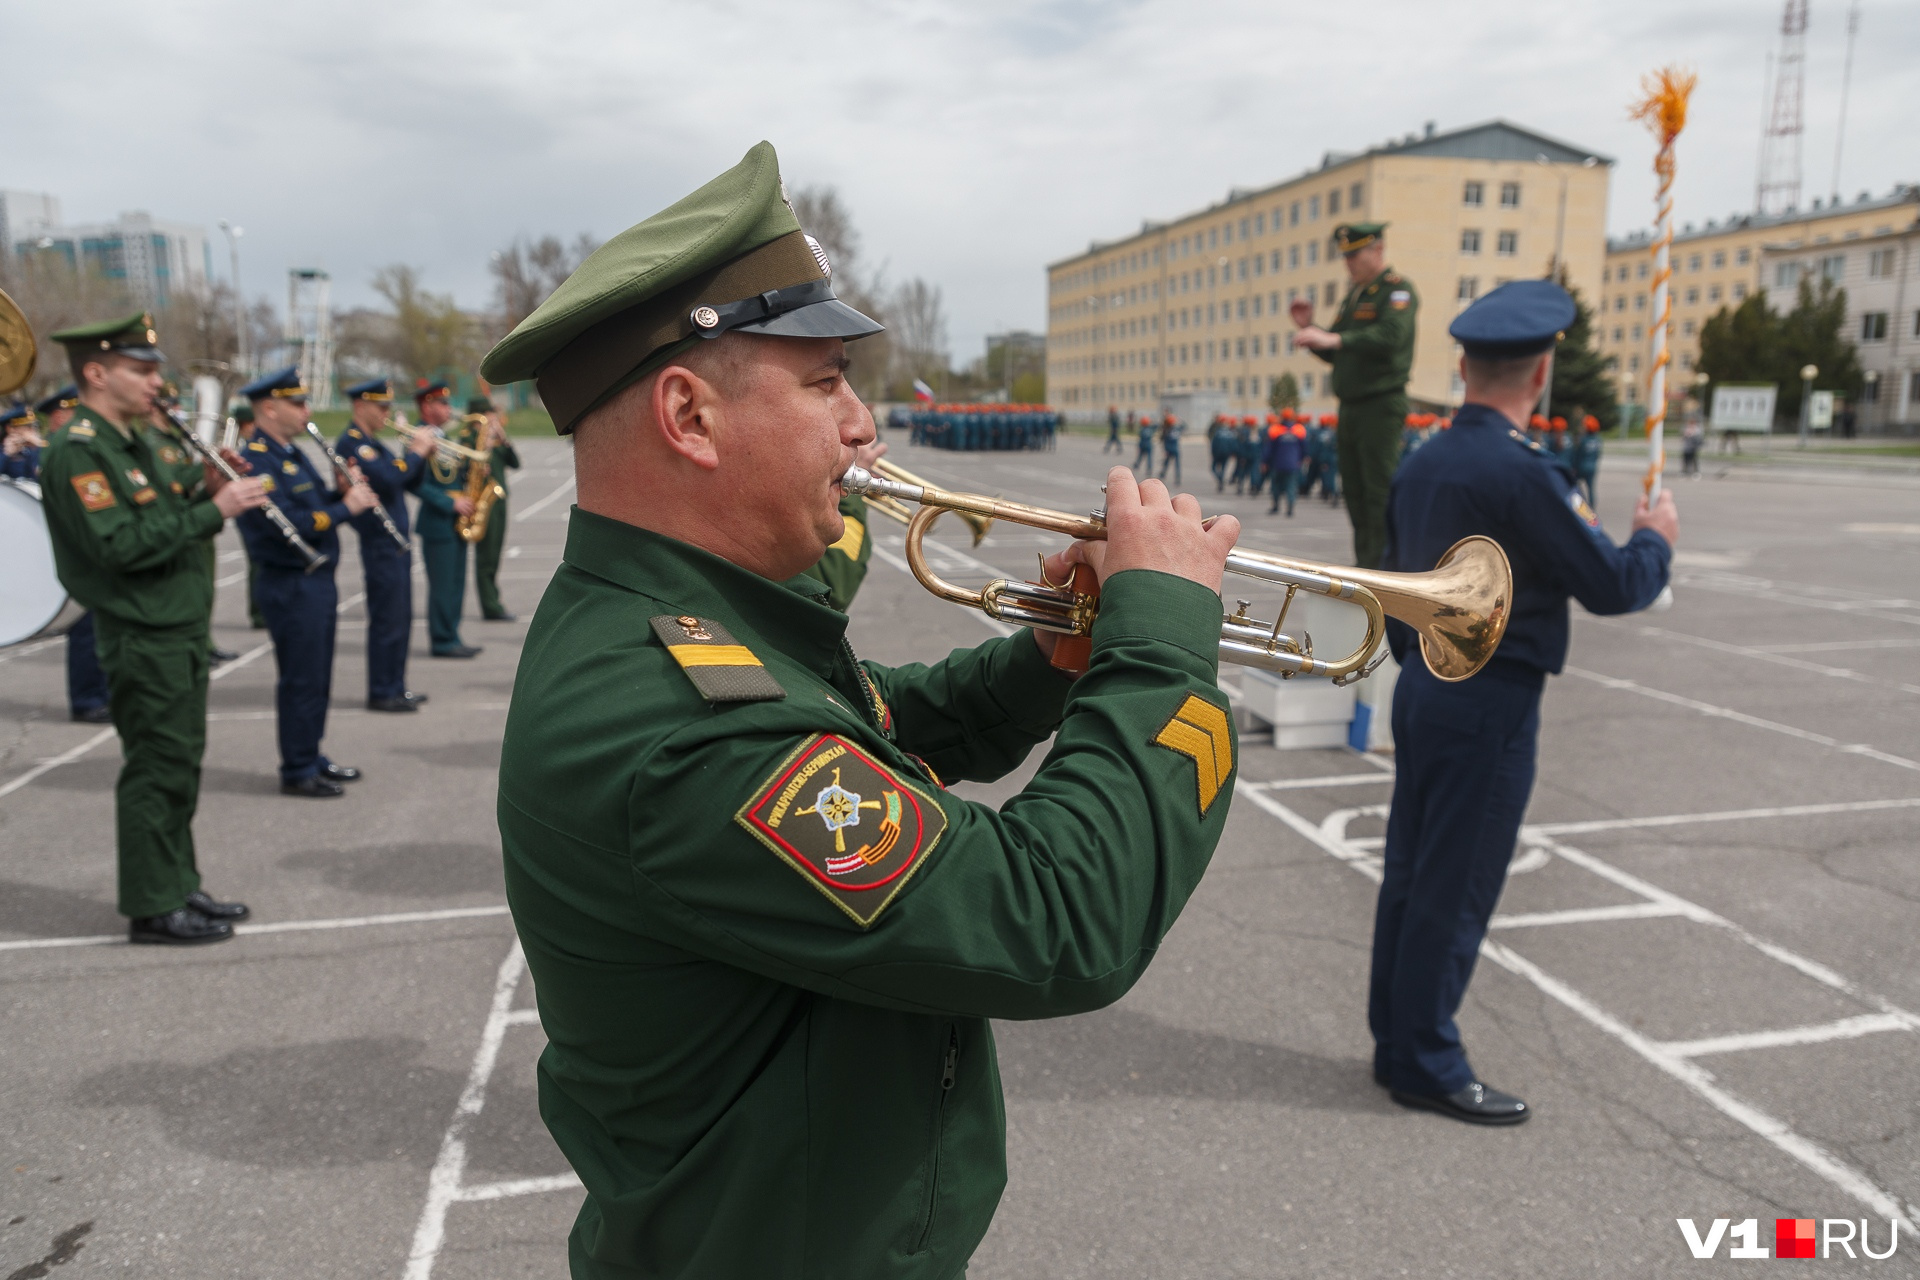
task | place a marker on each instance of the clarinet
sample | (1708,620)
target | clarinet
(220,464)
(346,477)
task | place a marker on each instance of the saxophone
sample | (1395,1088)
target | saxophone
(482,489)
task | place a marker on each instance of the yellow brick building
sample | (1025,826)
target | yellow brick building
(1200,302)
(1719,263)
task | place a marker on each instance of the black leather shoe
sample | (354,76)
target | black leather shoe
(217,655)
(93,715)
(417,699)
(392,704)
(500,617)
(181,927)
(1475,1104)
(459,651)
(340,773)
(313,787)
(212,910)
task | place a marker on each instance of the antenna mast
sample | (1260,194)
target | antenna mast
(1846,84)
(1778,189)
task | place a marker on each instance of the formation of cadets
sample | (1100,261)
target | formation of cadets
(132,512)
(972,427)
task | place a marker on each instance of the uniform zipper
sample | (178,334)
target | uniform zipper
(949,1069)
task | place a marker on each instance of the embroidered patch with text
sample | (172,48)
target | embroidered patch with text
(95,493)
(1587,514)
(1200,731)
(852,827)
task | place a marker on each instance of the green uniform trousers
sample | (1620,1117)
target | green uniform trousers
(157,693)
(444,552)
(1369,450)
(486,561)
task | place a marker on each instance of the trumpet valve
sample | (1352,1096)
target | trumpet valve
(1239,615)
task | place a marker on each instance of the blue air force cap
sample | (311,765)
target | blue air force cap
(372,389)
(17,412)
(283,384)
(1520,318)
(67,397)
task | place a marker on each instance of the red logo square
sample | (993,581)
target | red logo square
(1793,1237)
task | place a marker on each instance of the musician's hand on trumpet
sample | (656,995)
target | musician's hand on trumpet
(1148,529)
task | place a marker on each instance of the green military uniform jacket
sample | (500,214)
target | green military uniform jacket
(502,459)
(126,545)
(766,939)
(1376,328)
(446,476)
(844,566)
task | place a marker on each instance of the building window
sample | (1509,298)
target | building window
(1739,292)
(1509,195)
(1719,258)
(1642,272)
(1471,195)
(1333,202)
(1213,237)
(1289,348)
(1693,262)
(1913,388)
(1713,293)
(1636,333)
(1916,324)
(1686,329)
(1293,214)
(1242,308)
(1879,264)
(1306,384)
(1469,241)
(1833,267)
(1293,256)
(1256,300)
(1507,244)
(1633,364)
(1313,252)
(1243,268)
(1259,224)
(1273,344)
(1606,274)
(1693,295)
(1313,208)
(1786,275)
(1742,256)
(1353,196)
(1686,360)
(1870,392)
(1617,333)
(1873,326)
(1245,224)
(1329,299)
(1639,302)
(1468,289)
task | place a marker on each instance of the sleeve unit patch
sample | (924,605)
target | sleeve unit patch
(1587,514)
(846,823)
(95,493)
(721,669)
(1200,731)
(366,451)
(850,541)
(1399,299)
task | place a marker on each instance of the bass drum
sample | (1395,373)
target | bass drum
(33,604)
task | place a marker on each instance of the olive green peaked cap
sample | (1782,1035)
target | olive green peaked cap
(729,256)
(128,336)
(1350,237)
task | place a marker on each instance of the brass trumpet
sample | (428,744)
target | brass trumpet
(447,448)
(1460,608)
(888,505)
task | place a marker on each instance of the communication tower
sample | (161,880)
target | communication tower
(310,331)
(1778,187)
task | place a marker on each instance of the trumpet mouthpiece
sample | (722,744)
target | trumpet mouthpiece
(856,480)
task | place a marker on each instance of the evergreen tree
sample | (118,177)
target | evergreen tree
(1814,333)
(1742,344)
(1581,384)
(1285,393)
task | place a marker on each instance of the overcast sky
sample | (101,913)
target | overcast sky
(974,142)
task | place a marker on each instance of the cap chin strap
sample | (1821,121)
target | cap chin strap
(711,322)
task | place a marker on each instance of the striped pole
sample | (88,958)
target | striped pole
(1663,107)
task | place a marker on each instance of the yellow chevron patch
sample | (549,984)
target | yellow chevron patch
(850,541)
(1200,731)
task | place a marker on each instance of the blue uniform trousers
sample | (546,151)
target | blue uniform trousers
(86,682)
(1465,759)
(301,619)
(389,614)
(1170,453)
(1284,483)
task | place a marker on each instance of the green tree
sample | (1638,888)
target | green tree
(1285,393)
(1741,344)
(1581,384)
(430,335)
(1814,333)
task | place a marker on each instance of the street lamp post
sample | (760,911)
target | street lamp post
(1807,374)
(239,302)
(1872,398)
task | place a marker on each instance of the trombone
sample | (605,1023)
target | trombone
(888,505)
(1460,608)
(446,448)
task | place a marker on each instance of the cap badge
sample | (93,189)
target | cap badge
(820,256)
(705,317)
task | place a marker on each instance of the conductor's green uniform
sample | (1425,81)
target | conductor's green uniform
(1369,376)
(130,549)
(766,939)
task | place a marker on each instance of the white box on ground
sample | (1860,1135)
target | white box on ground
(1303,712)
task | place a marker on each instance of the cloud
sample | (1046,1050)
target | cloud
(974,142)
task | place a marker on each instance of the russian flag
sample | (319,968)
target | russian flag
(921,391)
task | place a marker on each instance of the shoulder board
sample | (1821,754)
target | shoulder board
(1392,277)
(1532,445)
(256,447)
(80,431)
(721,669)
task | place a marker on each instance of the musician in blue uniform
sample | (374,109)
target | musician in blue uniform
(1465,751)
(387,565)
(299,605)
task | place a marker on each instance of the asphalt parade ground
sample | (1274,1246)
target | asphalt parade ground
(1704,974)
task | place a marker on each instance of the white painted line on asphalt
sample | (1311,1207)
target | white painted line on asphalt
(1865,1024)
(1741,717)
(524,1018)
(27,650)
(48,765)
(230,579)
(1333,780)
(443,1183)
(1860,605)
(281,926)
(519,1187)
(1327,837)
(1762,655)
(527,513)
(1723,815)
(1586,915)
(992,624)
(1839,646)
